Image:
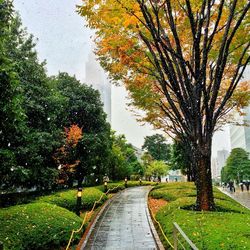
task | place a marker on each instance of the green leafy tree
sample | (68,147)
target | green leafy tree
(124,162)
(157,169)
(40,105)
(157,147)
(84,108)
(237,166)
(147,159)
(181,159)
(12,116)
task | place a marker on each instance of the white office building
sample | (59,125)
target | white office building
(218,163)
(240,135)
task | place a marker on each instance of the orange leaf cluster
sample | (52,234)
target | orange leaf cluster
(73,135)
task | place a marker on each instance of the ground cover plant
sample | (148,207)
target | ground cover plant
(36,226)
(120,185)
(225,228)
(67,199)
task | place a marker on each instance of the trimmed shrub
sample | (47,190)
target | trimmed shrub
(36,226)
(67,199)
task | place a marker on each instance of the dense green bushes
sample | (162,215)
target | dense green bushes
(46,223)
(117,186)
(36,226)
(67,199)
(226,228)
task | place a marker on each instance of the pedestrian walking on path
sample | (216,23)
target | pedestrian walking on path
(124,224)
(241,186)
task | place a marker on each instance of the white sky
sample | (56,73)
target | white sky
(65,43)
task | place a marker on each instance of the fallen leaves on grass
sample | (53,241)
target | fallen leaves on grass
(156,204)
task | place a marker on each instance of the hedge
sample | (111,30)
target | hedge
(67,199)
(36,226)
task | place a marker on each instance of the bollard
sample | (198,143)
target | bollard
(126,182)
(79,201)
(140,181)
(105,186)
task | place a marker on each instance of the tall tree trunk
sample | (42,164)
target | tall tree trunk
(203,178)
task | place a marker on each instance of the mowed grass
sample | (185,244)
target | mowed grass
(226,228)
(67,199)
(47,222)
(36,226)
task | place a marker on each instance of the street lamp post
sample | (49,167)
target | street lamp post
(126,182)
(140,181)
(79,201)
(105,186)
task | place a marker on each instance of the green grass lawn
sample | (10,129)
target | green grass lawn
(36,226)
(226,228)
(67,199)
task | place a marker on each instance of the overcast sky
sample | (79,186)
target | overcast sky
(64,42)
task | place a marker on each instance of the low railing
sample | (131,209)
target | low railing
(177,242)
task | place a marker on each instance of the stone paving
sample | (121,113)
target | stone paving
(241,197)
(124,224)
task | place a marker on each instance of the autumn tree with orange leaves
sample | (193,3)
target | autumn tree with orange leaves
(182,62)
(65,156)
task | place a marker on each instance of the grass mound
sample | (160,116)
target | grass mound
(225,228)
(36,226)
(67,199)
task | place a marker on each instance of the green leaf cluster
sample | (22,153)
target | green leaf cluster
(237,166)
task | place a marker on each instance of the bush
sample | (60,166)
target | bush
(118,186)
(67,199)
(208,230)
(36,226)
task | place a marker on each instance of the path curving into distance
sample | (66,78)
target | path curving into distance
(124,223)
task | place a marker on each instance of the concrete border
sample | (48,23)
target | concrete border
(152,227)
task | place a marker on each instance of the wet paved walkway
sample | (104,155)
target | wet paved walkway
(241,197)
(124,223)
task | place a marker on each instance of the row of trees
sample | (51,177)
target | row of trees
(182,62)
(52,129)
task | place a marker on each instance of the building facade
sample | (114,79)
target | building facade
(218,163)
(96,77)
(239,134)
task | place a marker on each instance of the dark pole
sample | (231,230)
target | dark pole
(105,186)
(79,201)
(126,182)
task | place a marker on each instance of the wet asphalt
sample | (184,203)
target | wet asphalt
(124,223)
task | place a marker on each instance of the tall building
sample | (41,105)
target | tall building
(218,163)
(240,135)
(96,77)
